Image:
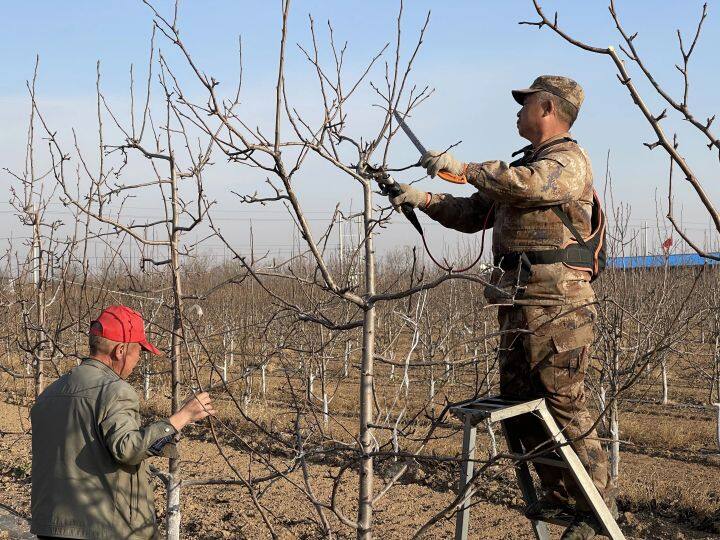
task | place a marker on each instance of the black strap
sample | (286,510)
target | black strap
(529,152)
(573,255)
(510,261)
(569,224)
(528,158)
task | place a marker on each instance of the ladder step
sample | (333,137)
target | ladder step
(498,399)
(553,462)
(495,408)
(515,410)
(463,412)
(563,520)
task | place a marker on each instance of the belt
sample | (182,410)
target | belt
(510,261)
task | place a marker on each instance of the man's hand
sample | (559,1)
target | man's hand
(435,162)
(195,408)
(409,195)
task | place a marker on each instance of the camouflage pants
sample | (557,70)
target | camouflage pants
(548,358)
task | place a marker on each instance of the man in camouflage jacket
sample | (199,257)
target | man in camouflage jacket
(546,311)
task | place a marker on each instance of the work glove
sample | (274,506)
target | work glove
(409,195)
(435,161)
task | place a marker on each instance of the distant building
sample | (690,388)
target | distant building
(658,261)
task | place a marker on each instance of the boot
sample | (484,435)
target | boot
(547,508)
(583,527)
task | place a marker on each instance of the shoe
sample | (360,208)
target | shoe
(546,509)
(613,507)
(583,527)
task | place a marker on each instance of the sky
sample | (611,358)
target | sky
(472,55)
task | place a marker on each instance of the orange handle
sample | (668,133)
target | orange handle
(450,177)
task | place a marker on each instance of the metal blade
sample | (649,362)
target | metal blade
(409,133)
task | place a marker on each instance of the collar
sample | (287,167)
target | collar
(531,150)
(99,365)
(563,135)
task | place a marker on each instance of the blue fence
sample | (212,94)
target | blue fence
(658,261)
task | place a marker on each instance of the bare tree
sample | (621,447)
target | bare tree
(680,105)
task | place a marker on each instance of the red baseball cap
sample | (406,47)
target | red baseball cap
(124,325)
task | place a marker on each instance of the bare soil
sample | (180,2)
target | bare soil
(662,497)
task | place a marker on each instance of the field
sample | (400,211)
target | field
(276,433)
(334,360)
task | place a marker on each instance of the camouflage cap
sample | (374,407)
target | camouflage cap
(562,87)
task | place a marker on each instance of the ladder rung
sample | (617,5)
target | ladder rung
(545,461)
(495,408)
(515,410)
(563,520)
(488,405)
(498,399)
(462,412)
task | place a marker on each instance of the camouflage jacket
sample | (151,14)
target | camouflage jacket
(515,199)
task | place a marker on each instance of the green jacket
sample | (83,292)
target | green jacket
(88,478)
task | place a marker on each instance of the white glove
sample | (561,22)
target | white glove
(435,161)
(409,195)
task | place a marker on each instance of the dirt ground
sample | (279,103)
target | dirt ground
(227,511)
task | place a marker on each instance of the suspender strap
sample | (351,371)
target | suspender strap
(578,254)
(531,152)
(569,224)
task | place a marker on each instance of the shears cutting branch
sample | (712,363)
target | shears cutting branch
(390,188)
(445,175)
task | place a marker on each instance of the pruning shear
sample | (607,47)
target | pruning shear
(445,175)
(390,188)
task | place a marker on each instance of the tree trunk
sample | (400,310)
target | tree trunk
(310,386)
(39,305)
(717,424)
(263,376)
(493,440)
(449,374)
(663,367)
(715,383)
(232,350)
(247,394)
(615,442)
(146,383)
(172,511)
(365,510)
(346,359)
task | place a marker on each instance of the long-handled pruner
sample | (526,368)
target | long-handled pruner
(390,188)
(445,175)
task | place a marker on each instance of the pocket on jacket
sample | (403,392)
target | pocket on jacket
(575,338)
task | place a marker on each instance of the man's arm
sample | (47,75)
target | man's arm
(125,439)
(465,214)
(555,179)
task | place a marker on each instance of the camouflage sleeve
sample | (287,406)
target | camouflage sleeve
(465,214)
(555,179)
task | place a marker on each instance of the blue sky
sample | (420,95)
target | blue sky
(474,53)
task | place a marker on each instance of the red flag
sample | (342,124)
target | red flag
(666,244)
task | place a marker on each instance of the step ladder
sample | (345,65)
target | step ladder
(497,409)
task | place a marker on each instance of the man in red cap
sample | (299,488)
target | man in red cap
(88,475)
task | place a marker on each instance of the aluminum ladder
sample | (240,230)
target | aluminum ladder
(498,409)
